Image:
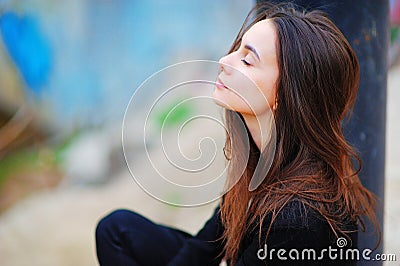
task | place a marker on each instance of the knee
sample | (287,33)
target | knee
(113,222)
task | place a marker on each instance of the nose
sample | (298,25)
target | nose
(224,64)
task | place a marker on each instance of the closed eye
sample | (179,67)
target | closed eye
(245,62)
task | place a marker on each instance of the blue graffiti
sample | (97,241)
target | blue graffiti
(28,48)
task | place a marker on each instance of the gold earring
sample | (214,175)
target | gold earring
(275,105)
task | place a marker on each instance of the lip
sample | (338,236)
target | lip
(220,85)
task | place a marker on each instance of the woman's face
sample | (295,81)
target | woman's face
(247,81)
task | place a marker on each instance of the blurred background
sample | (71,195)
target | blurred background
(67,72)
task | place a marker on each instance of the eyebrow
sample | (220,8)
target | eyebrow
(251,48)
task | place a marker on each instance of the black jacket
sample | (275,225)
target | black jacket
(298,230)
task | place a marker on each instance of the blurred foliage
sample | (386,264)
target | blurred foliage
(35,159)
(394,33)
(174,113)
(32,168)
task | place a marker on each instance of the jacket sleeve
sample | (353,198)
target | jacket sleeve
(204,248)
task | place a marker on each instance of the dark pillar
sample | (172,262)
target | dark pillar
(365,24)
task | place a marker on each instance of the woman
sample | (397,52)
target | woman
(305,72)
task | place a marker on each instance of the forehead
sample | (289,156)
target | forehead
(262,36)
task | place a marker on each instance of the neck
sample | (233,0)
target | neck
(259,127)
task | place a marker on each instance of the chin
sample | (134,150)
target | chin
(220,100)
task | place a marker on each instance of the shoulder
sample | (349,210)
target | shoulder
(296,228)
(297,224)
(297,214)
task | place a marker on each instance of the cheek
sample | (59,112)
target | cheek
(247,97)
(250,94)
(268,88)
(259,103)
(260,95)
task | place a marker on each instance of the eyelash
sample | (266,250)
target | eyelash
(245,62)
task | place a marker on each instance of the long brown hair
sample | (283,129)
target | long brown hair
(316,89)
